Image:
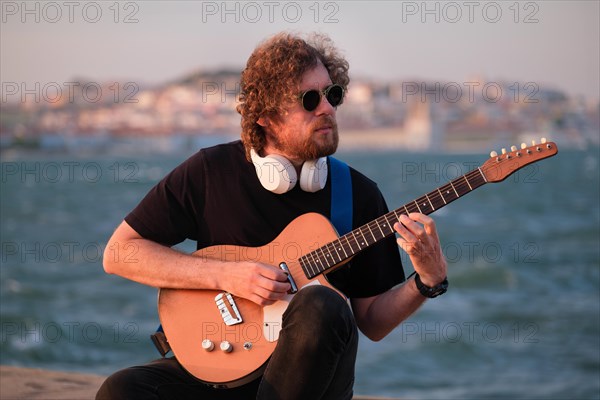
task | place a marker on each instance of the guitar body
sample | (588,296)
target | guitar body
(189,317)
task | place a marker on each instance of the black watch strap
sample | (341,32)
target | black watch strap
(431,292)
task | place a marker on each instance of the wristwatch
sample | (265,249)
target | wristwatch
(431,292)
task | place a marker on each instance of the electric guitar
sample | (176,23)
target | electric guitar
(226,341)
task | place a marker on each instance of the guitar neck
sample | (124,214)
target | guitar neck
(334,253)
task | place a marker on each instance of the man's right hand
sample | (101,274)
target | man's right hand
(260,283)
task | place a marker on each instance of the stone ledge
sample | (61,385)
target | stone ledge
(18,383)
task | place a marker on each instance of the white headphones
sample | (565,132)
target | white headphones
(277,174)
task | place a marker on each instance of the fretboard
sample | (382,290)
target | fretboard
(334,253)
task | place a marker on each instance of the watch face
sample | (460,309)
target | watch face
(439,289)
(434,291)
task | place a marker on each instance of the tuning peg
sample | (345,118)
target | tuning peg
(533,142)
(503,151)
(543,140)
(523,146)
(513,148)
(493,154)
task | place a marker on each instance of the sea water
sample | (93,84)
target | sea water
(521,318)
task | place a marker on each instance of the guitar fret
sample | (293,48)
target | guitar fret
(314,265)
(453,188)
(350,240)
(432,207)
(329,256)
(366,241)
(442,196)
(323,263)
(332,245)
(342,247)
(337,249)
(312,270)
(482,174)
(363,243)
(380,230)
(466,180)
(387,224)
(480,178)
(332,248)
(346,246)
(371,232)
(394,220)
(419,208)
(320,262)
(349,244)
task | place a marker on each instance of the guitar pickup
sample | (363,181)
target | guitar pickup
(294,289)
(228,309)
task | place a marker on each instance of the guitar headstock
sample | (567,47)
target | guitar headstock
(501,166)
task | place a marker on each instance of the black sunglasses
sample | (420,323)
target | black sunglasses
(312,98)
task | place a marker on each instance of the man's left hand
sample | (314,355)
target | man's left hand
(419,239)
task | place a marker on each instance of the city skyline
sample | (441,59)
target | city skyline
(551,44)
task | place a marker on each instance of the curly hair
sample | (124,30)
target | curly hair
(270,80)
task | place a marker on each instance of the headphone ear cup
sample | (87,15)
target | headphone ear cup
(313,176)
(275,173)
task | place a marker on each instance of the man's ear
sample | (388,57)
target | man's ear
(263,121)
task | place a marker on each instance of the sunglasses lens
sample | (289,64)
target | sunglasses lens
(335,95)
(311,100)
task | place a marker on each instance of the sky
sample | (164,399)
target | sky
(550,44)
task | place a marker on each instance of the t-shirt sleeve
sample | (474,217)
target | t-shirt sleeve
(169,213)
(378,268)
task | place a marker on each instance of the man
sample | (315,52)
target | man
(289,93)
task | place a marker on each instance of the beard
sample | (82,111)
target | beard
(311,145)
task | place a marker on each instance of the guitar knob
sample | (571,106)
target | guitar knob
(523,146)
(208,345)
(543,140)
(493,154)
(226,347)
(503,151)
(533,142)
(513,148)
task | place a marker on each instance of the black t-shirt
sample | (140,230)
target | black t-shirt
(215,198)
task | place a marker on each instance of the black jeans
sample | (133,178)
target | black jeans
(314,359)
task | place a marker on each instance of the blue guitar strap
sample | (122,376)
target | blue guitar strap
(341,196)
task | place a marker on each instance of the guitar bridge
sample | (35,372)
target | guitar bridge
(228,309)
